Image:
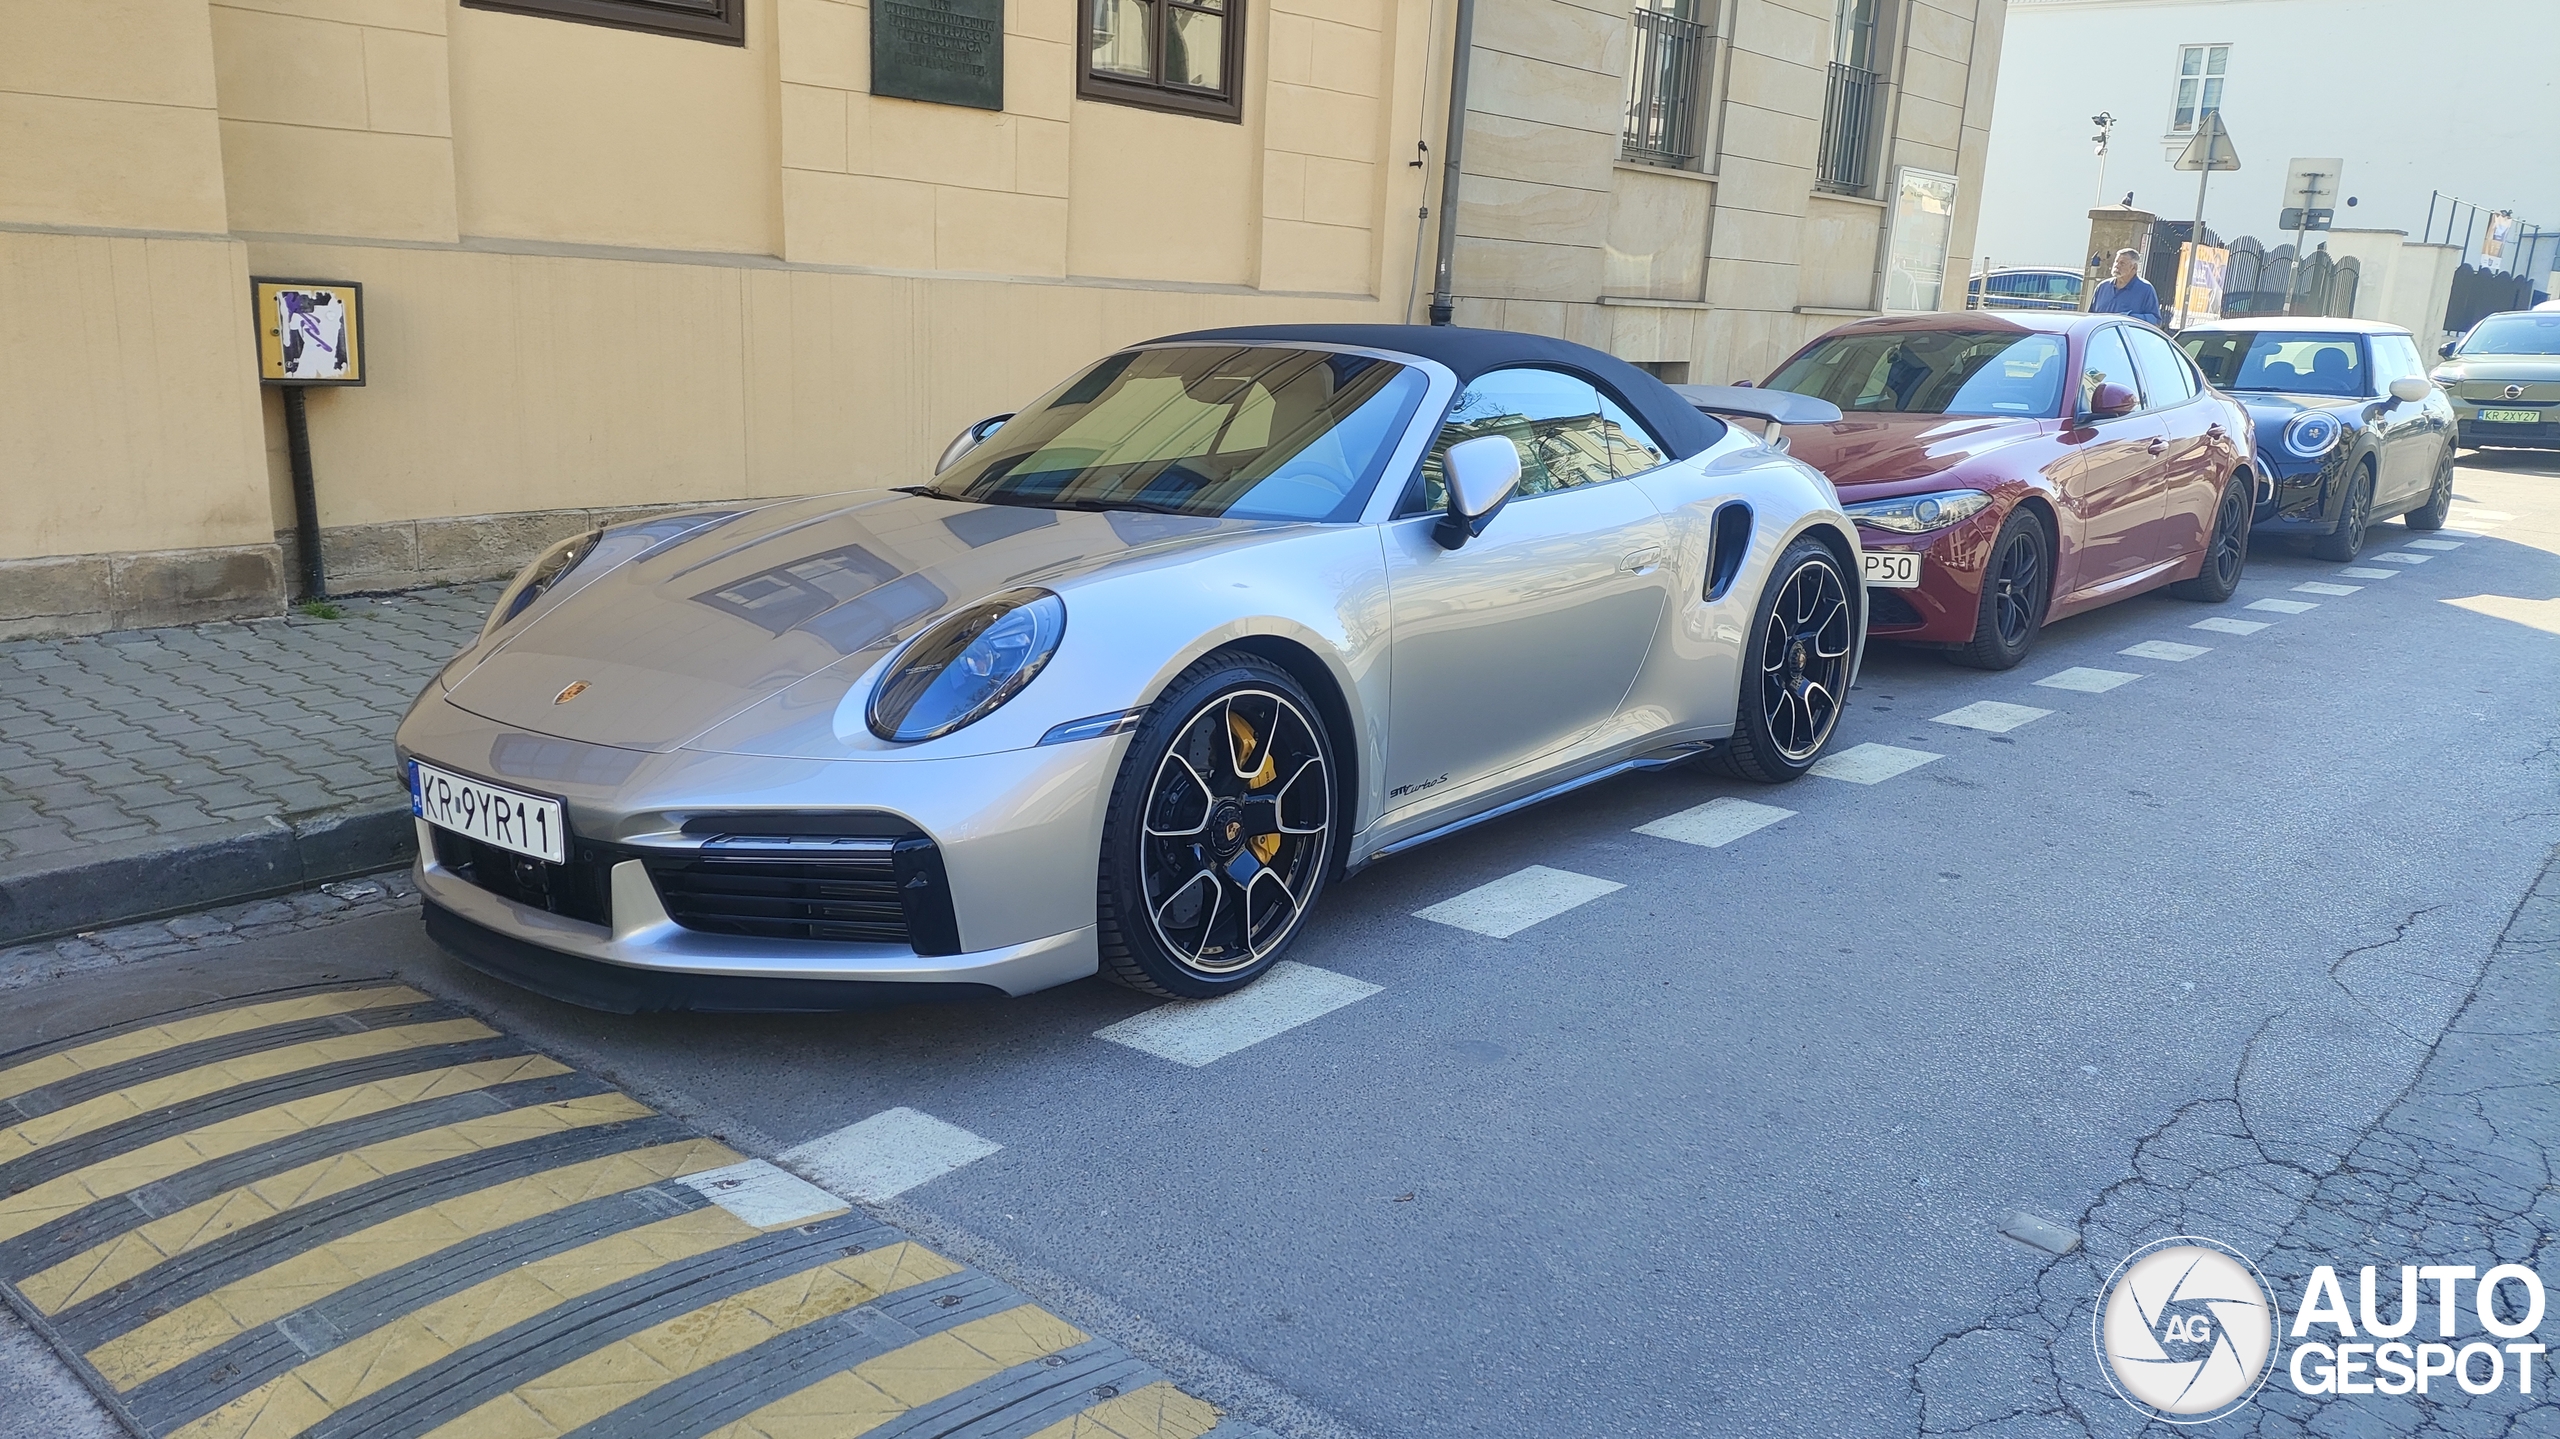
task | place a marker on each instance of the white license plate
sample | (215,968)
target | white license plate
(510,819)
(2512,417)
(1893,569)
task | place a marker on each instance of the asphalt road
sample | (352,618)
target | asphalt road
(1724,1150)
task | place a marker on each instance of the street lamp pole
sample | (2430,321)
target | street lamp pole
(2106,123)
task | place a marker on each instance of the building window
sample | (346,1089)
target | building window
(1180,55)
(2200,73)
(721,20)
(1666,84)
(1850,101)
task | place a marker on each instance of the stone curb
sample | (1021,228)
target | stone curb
(152,878)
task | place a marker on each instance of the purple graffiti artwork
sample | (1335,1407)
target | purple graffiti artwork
(313,327)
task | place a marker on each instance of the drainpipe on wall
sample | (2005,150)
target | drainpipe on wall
(1462,50)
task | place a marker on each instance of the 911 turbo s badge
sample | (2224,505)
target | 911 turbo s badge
(1405,789)
(575,689)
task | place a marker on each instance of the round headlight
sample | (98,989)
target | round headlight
(2312,433)
(961,670)
(534,579)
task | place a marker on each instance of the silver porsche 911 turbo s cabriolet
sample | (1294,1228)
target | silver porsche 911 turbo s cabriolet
(1224,617)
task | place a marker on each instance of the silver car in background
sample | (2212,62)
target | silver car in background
(2504,379)
(1224,617)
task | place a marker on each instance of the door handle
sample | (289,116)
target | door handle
(1639,561)
(2159,446)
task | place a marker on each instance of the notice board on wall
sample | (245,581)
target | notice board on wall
(949,52)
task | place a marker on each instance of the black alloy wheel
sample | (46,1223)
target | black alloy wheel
(2347,540)
(2431,515)
(2016,585)
(2226,550)
(1219,832)
(1796,672)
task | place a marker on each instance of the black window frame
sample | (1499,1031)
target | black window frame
(1158,93)
(722,22)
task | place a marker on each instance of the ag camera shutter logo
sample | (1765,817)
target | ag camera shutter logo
(2187,1332)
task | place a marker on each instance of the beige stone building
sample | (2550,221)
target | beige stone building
(619,254)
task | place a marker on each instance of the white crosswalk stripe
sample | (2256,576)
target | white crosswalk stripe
(2367,572)
(2164,650)
(2087,681)
(2435,544)
(2284,607)
(1518,900)
(888,1154)
(2397,558)
(1871,763)
(1992,715)
(2224,626)
(2316,587)
(1718,822)
(1201,1031)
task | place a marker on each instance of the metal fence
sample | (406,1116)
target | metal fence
(2262,282)
(1848,127)
(1664,90)
(2479,291)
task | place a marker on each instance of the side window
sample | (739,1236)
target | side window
(2105,363)
(2165,378)
(1632,448)
(1553,419)
(2395,357)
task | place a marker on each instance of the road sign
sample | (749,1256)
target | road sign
(2211,149)
(2313,184)
(2296,218)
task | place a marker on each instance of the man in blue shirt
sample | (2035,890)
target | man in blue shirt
(2128,293)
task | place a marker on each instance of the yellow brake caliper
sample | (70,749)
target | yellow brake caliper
(1263,846)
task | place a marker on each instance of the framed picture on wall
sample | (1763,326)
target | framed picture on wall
(1924,223)
(310,332)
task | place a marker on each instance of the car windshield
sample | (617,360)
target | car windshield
(1244,432)
(2523,333)
(2292,362)
(1932,372)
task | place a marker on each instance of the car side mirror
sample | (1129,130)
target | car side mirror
(967,440)
(2445,350)
(2111,401)
(1482,474)
(2410,389)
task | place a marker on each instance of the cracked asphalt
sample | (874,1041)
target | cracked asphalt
(2257,947)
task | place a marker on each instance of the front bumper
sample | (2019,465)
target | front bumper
(2301,497)
(2472,432)
(1947,604)
(1016,836)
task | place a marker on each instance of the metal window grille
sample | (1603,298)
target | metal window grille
(1848,125)
(1664,91)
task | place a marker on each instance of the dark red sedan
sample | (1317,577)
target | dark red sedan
(2006,470)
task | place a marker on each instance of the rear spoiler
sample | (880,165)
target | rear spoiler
(1777,408)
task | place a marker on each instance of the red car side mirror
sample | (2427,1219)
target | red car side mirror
(2111,401)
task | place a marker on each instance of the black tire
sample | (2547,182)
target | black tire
(1269,794)
(1795,669)
(2431,515)
(2355,519)
(2226,549)
(2017,589)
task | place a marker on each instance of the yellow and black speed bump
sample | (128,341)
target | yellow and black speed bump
(353,1212)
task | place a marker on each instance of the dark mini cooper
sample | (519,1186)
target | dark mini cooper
(2349,428)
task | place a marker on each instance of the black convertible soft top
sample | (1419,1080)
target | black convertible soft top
(1469,353)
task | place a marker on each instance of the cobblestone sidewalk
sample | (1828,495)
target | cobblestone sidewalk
(149,771)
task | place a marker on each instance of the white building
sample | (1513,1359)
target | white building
(2454,96)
